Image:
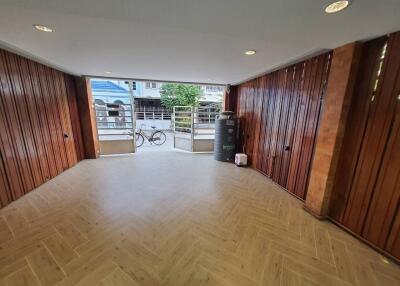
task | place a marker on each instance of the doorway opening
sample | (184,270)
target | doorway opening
(140,116)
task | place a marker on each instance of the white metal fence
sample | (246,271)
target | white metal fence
(114,121)
(194,128)
(152,115)
(159,119)
(196,121)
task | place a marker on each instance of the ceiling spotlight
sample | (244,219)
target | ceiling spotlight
(107,72)
(337,6)
(250,52)
(42,28)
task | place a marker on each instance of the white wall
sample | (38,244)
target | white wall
(159,124)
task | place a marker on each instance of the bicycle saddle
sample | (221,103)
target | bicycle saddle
(153,127)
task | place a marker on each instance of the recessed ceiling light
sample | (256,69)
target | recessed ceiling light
(42,28)
(337,6)
(250,52)
(107,72)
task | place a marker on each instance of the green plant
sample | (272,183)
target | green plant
(177,94)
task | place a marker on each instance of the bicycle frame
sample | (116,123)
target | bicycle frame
(149,138)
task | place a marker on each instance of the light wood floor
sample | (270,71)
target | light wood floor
(175,219)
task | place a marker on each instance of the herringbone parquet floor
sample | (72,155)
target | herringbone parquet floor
(175,219)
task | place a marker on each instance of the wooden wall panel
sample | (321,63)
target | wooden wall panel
(266,160)
(314,103)
(295,102)
(262,146)
(22,115)
(75,118)
(38,95)
(355,129)
(35,116)
(5,194)
(87,117)
(230,98)
(281,152)
(259,115)
(15,140)
(8,153)
(374,142)
(366,193)
(386,197)
(48,114)
(65,116)
(279,115)
(275,123)
(393,242)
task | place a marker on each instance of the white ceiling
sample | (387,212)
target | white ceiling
(186,40)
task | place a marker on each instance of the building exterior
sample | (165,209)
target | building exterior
(146,94)
(110,91)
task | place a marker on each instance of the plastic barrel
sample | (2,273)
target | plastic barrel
(225,137)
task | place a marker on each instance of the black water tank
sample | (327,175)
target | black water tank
(225,136)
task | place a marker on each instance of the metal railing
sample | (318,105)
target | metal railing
(199,122)
(153,115)
(114,121)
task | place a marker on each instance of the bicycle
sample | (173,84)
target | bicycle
(157,137)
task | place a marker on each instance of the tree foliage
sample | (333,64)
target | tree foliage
(176,94)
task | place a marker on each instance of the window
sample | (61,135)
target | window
(151,85)
(119,102)
(210,88)
(99,102)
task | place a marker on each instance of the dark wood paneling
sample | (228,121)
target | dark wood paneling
(366,192)
(5,195)
(35,114)
(355,129)
(278,115)
(385,200)
(75,118)
(374,142)
(14,129)
(87,117)
(393,242)
(230,98)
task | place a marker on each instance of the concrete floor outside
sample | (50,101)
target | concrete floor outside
(167,146)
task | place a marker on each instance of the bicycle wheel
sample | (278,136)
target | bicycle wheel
(159,137)
(139,139)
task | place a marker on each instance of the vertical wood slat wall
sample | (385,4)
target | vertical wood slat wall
(366,193)
(279,115)
(76,118)
(39,125)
